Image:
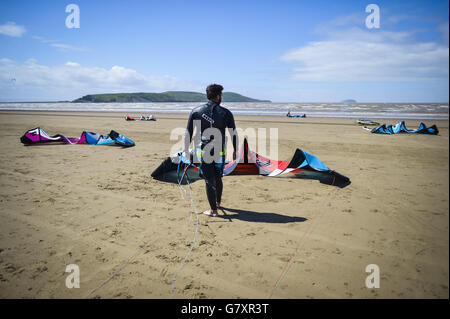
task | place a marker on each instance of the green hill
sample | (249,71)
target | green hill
(169,96)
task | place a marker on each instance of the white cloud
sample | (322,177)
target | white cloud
(12,29)
(72,64)
(42,39)
(60,46)
(30,61)
(355,19)
(6,61)
(67,47)
(356,54)
(72,80)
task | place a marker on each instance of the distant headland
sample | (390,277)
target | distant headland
(169,96)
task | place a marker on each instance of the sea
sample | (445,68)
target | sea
(432,111)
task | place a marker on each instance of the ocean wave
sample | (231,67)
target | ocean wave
(351,110)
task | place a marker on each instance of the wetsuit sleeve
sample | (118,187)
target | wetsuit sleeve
(188,133)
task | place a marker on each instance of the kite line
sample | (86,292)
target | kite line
(300,242)
(127,262)
(194,208)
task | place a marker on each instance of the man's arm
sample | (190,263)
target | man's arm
(233,134)
(188,134)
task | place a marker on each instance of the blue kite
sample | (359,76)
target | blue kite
(401,128)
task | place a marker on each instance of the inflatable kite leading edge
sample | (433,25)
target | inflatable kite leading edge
(178,169)
(38,136)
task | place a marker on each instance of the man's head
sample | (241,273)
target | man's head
(214,93)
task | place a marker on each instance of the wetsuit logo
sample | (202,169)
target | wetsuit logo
(206,117)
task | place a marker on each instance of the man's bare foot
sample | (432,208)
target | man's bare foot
(212,213)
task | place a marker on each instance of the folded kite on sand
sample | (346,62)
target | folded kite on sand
(38,136)
(142,118)
(367,122)
(178,168)
(401,128)
(296,116)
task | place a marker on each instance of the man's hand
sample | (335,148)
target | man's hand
(234,155)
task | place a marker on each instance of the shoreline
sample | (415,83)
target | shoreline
(412,111)
(183,115)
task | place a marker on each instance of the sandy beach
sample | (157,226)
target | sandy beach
(97,207)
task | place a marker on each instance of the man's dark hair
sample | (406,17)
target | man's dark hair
(213,90)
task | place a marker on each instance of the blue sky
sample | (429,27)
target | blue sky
(286,51)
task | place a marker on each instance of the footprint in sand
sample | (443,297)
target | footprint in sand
(164,272)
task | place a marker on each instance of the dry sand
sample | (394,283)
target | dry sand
(98,207)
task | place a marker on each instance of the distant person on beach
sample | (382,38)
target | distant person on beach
(213,119)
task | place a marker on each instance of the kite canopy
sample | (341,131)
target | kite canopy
(178,168)
(401,128)
(38,136)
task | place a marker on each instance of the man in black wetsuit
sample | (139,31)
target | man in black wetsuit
(211,120)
